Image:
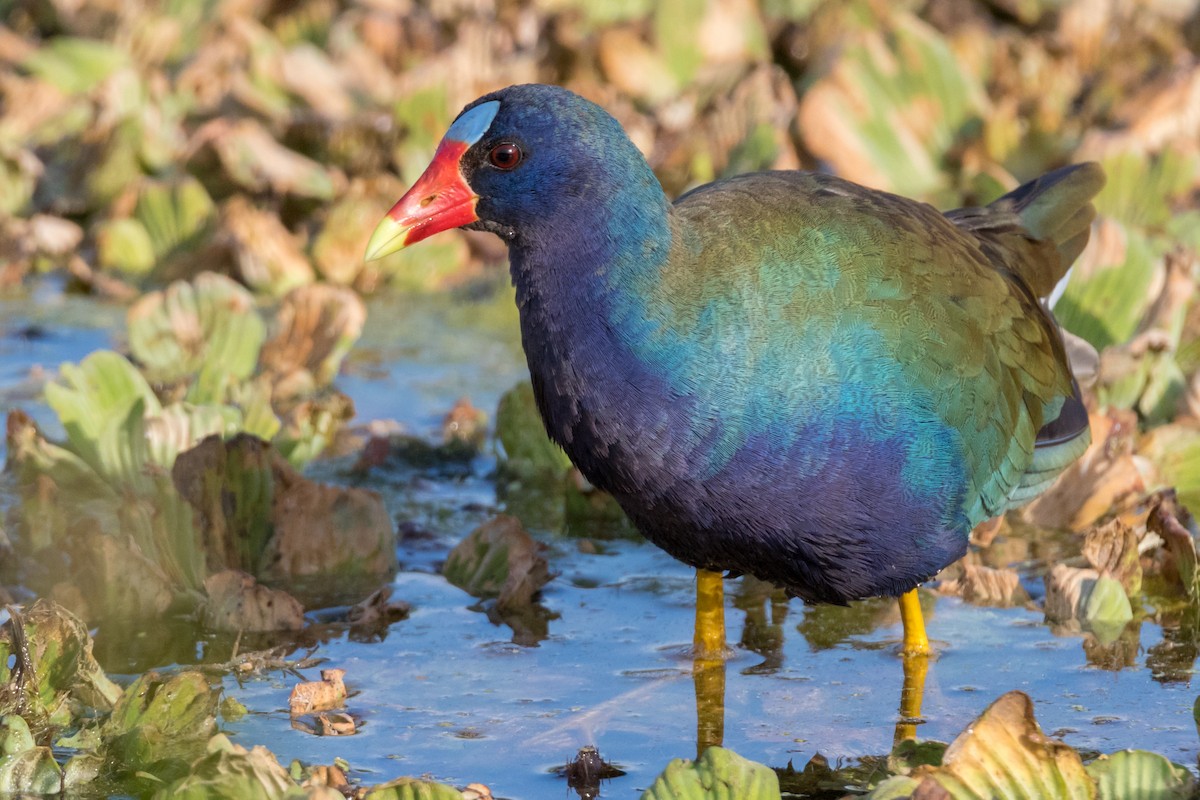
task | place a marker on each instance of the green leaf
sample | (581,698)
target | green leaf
(718,773)
(230,771)
(1104,302)
(1140,189)
(897,787)
(159,719)
(74,64)
(14,735)
(101,395)
(520,431)
(676,28)
(413,789)
(1141,775)
(32,772)
(893,107)
(125,246)
(1107,609)
(1175,450)
(176,214)
(60,654)
(207,330)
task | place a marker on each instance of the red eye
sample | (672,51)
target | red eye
(505,156)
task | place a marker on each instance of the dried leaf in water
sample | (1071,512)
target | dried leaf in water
(1004,754)
(370,619)
(1097,602)
(230,485)
(258,514)
(1112,549)
(717,773)
(342,533)
(499,559)
(987,586)
(236,602)
(1101,481)
(313,330)
(323,695)
(465,423)
(1130,774)
(477,791)
(1170,521)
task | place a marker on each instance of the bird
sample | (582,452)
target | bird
(783,374)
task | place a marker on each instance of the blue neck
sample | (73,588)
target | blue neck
(579,279)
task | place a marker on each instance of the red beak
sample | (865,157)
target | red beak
(438,201)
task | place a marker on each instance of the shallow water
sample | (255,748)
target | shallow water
(448,695)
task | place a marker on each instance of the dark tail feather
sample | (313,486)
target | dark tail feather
(1038,229)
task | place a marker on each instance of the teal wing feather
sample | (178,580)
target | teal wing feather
(921,310)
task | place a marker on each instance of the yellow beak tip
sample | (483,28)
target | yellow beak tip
(389,237)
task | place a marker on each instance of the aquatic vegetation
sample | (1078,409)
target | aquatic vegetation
(167,472)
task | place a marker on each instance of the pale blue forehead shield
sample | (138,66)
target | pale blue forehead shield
(473,124)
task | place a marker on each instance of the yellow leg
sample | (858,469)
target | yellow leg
(915,669)
(709,641)
(708,678)
(916,643)
(708,664)
(916,666)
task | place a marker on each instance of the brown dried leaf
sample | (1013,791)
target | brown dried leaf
(323,695)
(499,559)
(1169,520)
(369,619)
(315,327)
(236,602)
(307,72)
(113,573)
(254,161)
(1105,478)
(1112,549)
(477,791)
(1004,754)
(987,586)
(335,725)
(268,257)
(634,67)
(465,423)
(331,775)
(1067,589)
(320,529)
(1163,113)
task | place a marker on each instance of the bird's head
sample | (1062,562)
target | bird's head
(515,160)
